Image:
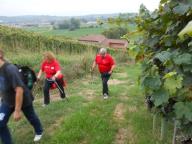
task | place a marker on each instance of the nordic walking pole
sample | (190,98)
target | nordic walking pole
(58,87)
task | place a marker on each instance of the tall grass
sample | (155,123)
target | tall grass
(67,61)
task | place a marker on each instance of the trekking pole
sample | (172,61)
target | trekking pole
(58,87)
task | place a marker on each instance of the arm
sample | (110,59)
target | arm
(93,66)
(41,71)
(112,67)
(18,103)
(95,62)
(17,84)
(56,74)
(39,74)
(57,69)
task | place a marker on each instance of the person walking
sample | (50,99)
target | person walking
(14,98)
(50,66)
(106,65)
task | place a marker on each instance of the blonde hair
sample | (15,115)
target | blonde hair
(49,56)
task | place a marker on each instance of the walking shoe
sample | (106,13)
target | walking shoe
(37,138)
(105,96)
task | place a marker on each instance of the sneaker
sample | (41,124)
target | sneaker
(37,138)
(105,96)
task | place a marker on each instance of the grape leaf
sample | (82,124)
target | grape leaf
(152,82)
(185,58)
(183,110)
(189,114)
(163,56)
(160,97)
(172,83)
(180,110)
(181,9)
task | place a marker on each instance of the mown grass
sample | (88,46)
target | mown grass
(88,119)
(91,124)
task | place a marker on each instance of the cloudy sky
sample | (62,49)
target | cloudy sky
(72,7)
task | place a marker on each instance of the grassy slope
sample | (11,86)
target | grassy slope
(88,119)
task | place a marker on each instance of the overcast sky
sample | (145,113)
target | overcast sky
(72,7)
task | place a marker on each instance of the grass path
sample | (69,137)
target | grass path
(89,119)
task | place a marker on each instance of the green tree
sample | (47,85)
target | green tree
(64,25)
(74,24)
(115,33)
(70,24)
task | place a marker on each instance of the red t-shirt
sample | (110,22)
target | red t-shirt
(50,68)
(104,63)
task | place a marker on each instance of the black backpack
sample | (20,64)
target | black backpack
(27,75)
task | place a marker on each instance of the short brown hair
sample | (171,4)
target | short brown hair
(49,55)
(1,54)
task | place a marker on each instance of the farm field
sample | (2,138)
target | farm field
(47,31)
(66,33)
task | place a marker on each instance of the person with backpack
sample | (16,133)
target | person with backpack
(106,65)
(50,66)
(14,98)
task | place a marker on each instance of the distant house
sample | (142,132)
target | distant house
(115,43)
(103,41)
(93,39)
